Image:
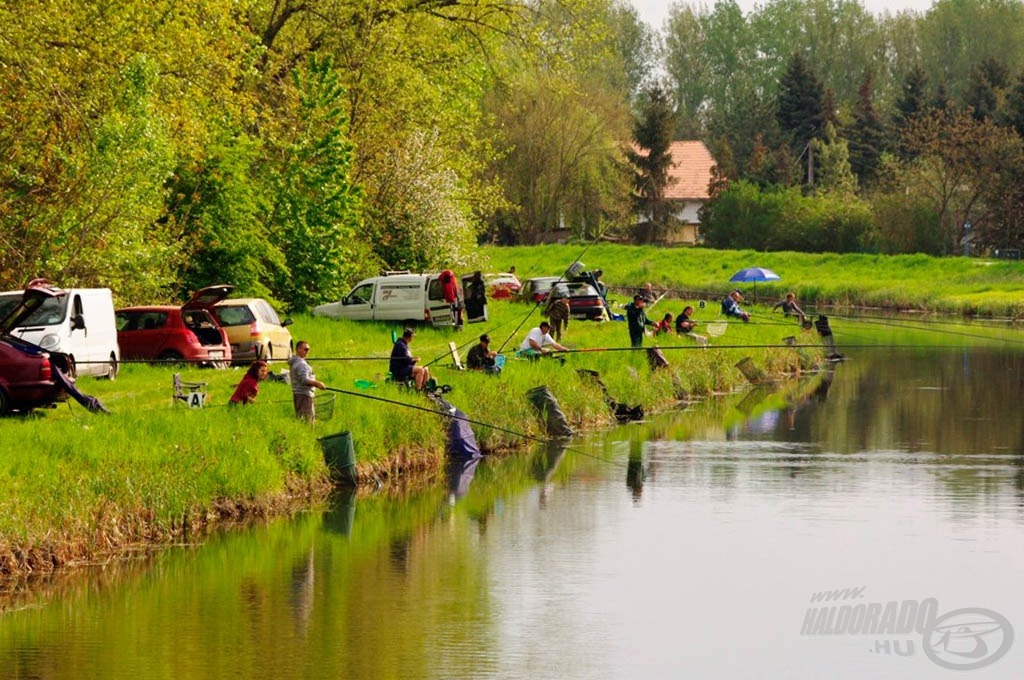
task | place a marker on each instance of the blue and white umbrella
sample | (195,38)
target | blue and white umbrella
(753,275)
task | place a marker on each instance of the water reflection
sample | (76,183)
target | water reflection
(544,565)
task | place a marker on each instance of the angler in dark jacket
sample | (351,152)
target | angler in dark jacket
(637,320)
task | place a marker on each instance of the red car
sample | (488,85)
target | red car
(584,300)
(187,333)
(26,369)
(502,286)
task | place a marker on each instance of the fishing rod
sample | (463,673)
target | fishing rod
(473,421)
(538,303)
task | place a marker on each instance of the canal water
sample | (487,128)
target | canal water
(867,522)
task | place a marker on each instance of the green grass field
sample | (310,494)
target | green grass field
(77,485)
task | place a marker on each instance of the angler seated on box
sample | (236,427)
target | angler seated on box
(482,358)
(403,364)
(539,342)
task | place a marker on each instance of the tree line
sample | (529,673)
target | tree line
(289,147)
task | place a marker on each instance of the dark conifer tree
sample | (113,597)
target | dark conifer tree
(801,111)
(652,134)
(988,81)
(910,107)
(867,134)
(1015,106)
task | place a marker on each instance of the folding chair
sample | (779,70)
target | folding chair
(192,393)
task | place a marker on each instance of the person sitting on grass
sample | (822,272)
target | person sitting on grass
(684,324)
(664,326)
(482,358)
(790,308)
(403,364)
(249,386)
(539,342)
(731,306)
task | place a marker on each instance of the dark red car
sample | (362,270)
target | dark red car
(584,300)
(166,333)
(27,370)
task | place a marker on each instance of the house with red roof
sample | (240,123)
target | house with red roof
(689,179)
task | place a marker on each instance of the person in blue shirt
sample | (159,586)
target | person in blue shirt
(403,364)
(731,306)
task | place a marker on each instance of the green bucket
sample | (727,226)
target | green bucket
(340,457)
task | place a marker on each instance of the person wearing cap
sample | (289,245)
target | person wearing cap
(557,311)
(731,306)
(539,341)
(403,364)
(481,357)
(636,319)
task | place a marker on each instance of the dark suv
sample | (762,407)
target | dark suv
(26,369)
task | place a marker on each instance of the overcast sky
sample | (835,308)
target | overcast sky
(654,12)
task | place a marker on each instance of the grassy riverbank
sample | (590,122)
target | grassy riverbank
(79,486)
(960,285)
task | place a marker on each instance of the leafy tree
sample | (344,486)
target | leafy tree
(956,161)
(81,190)
(216,210)
(782,218)
(317,208)
(637,46)
(652,134)
(957,35)
(427,226)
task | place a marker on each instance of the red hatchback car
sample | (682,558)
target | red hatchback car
(165,333)
(26,369)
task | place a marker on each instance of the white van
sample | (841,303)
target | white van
(79,324)
(396,296)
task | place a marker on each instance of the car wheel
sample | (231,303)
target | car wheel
(5,404)
(170,357)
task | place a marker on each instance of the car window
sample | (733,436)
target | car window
(127,322)
(49,313)
(580,289)
(434,290)
(360,295)
(198,318)
(233,315)
(268,313)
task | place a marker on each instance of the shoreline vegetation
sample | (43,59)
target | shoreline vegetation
(81,489)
